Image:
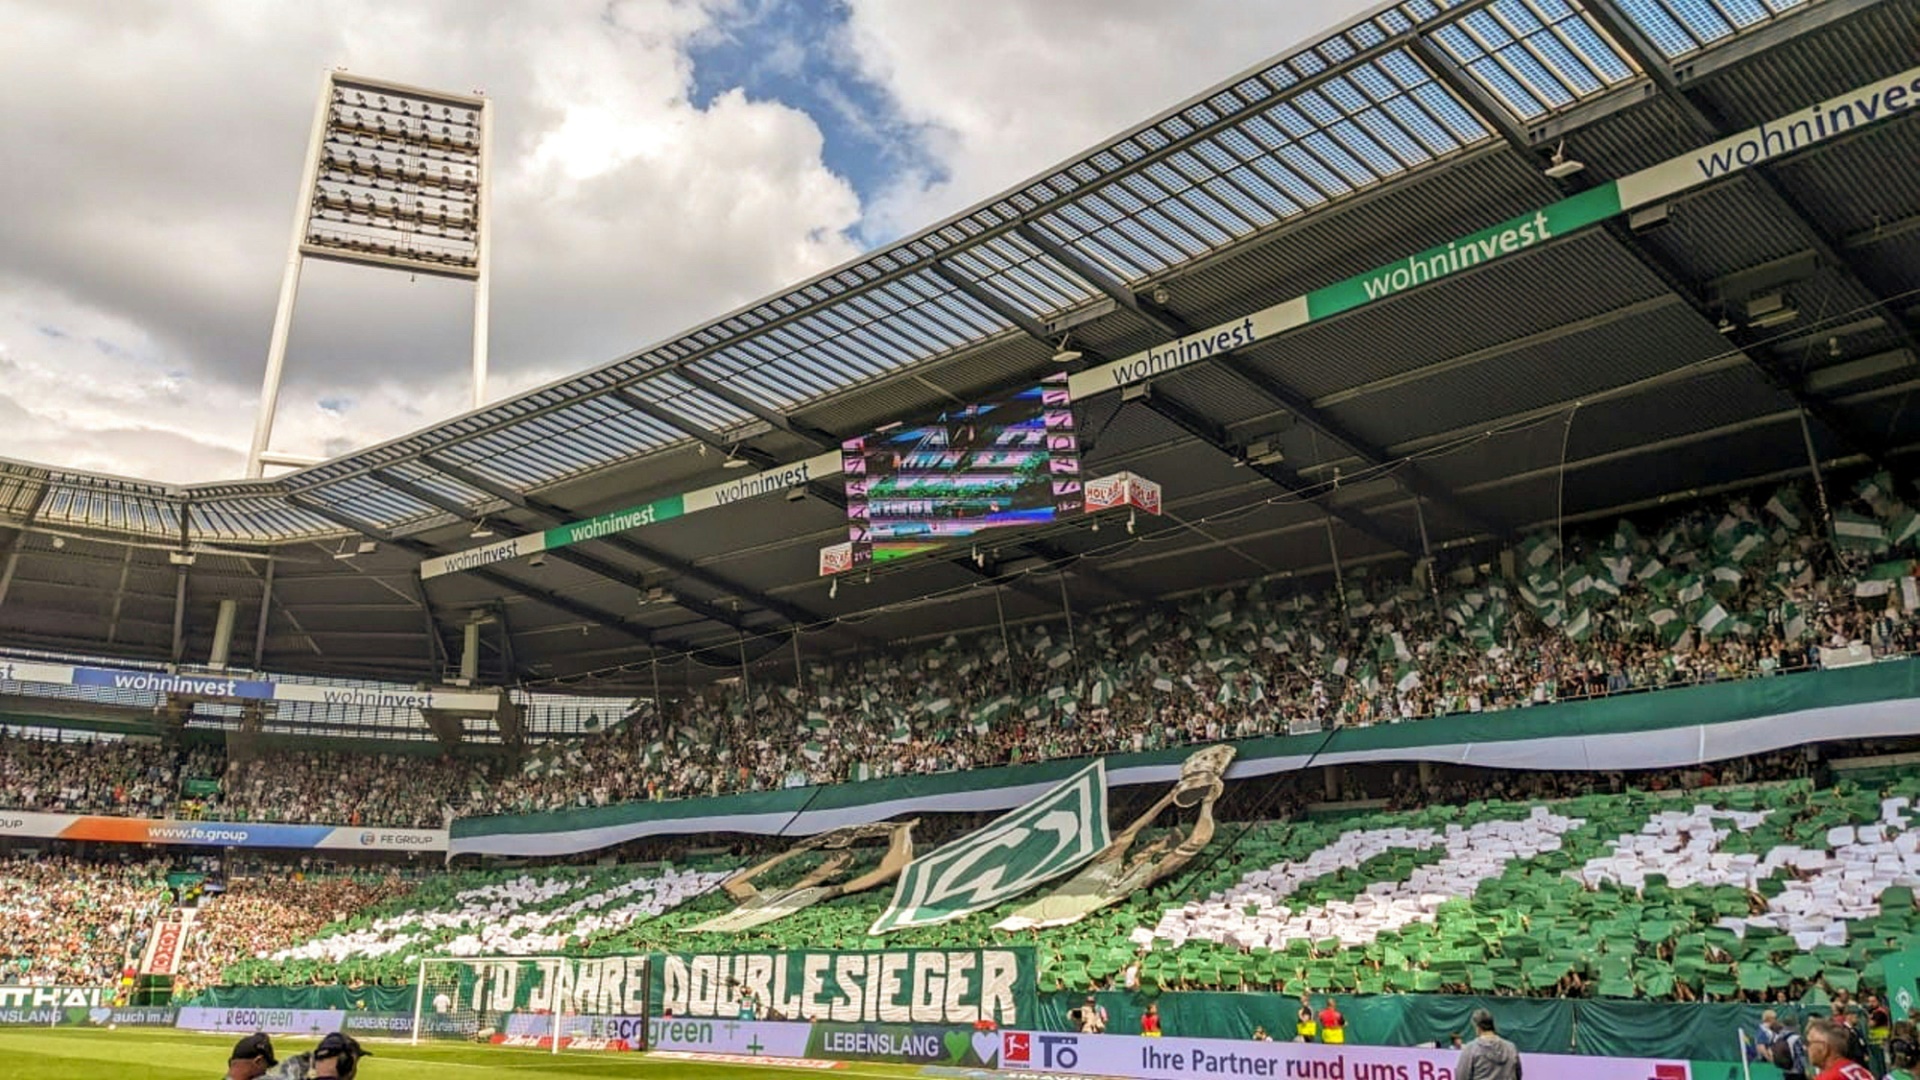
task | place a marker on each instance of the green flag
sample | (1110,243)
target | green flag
(1052,835)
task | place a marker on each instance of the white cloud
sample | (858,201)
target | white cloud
(166,144)
(996,93)
(162,145)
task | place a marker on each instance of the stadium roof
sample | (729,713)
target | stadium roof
(1607,369)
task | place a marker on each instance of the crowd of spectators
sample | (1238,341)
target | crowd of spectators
(256,915)
(1738,590)
(67,922)
(346,789)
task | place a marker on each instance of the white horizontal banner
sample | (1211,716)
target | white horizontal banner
(1056,1054)
(229,686)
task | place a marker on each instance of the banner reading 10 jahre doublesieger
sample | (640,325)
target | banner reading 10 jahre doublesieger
(920,986)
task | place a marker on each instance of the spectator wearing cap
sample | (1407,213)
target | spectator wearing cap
(336,1058)
(1488,1056)
(251,1057)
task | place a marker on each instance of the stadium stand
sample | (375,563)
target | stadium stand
(1741,589)
(71,922)
(1759,888)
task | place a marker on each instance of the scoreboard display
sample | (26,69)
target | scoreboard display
(1006,464)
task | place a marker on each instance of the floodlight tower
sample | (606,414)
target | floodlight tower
(396,178)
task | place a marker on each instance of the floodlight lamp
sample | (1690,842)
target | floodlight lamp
(1161,295)
(538,560)
(796,493)
(481,530)
(1560,166)
(833,589)
(181,558)
(1066,354)
(366,547)
(734,460)
(1132,517)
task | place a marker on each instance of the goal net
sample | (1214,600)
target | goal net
(553,1003)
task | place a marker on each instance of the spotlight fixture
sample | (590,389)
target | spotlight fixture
(187,558)
(1773,309)
(796,493)
(1561,166)
(538,560)
(1647,219)
(833,589)
(734,460)
(1132,517)
(59,542)
(1066,354)
(1161,296)
(481,530)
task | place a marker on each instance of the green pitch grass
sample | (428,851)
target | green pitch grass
(150,1054)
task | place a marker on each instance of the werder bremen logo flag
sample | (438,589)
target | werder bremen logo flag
(1028,847)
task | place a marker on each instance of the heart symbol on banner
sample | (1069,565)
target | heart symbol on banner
(956,1044)
(99,1016)
(986,1045)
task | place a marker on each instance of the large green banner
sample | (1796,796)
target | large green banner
(1903,981)
(905,986)
(1052,835)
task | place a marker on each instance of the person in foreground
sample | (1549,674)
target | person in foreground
(1488,1056)
(336,1058)
(251,1058)
(1827,1043)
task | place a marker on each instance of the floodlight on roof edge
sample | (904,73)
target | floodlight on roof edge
(1560,166)
(1066,353)
(734,460)
(396,178)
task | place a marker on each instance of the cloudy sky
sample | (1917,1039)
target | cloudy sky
(657,163)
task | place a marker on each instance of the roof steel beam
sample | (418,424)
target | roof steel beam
(1642,52)
(558,515)
(1286,479)
(1708,124)
(585,561)
(760,459)
(575,608)
(991,300)
(19,538)
(1172,324)
(797,429)
(1409,475)
(1474,98)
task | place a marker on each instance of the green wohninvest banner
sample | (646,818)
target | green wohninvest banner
(1053,835)
(1811,126)
(917,986)
(1661,730)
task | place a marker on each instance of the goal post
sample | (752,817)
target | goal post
(549,1002)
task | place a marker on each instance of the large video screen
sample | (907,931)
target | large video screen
(1005,464)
